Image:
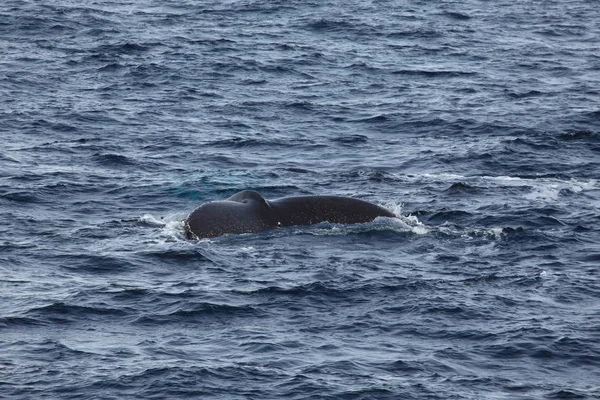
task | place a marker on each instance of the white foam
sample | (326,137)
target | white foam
(174,229)
(396,208)
(540,189)
(151,219)
(496,232)
(489,233)
(429,177)
(172,226)
(550,192)
(414,225)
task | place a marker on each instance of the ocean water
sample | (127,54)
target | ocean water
(476,122)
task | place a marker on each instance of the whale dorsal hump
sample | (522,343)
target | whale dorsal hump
(248,196)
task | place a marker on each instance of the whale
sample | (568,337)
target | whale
(249,212)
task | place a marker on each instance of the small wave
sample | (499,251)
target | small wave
(461,188)
(579,135)
(297,170)
(110,67)
(455,216)
(571,394)
(113,160)
(63,312)
(300,105)
(22,197)
(373,175)
(433,73)
(18,322)
(199,312)
(524,144)
(238,143)
(527,94)
(124,48)
(6,157)
(373,119)
(330,25)
(302,290)
(457,16)
(94,263)
(420,33)
(351,139)
(178,255)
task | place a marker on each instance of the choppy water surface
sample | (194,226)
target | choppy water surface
(476,122)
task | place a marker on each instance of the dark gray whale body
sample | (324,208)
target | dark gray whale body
(248,212)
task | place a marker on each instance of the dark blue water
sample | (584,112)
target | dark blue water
(477,122)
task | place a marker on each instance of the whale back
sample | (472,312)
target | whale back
(243,212)
(308,210)
(249,196)
(248,211)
